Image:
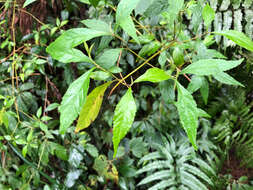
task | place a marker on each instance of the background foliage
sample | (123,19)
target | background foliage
(45,64)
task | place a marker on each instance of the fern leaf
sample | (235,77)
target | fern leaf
(218,26)
(163,184)
(249,25)
(198,172)
(194,182)
(224,5)
(203,165)
(238,20)
(213,4)
(227,23)
(236,3)
(151,156)
(247,3)
(155,165)
(156,176)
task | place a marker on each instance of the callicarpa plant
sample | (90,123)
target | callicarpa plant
(172,49)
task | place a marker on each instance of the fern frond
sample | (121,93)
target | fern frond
(163,184)
(180,169)
(151,156)
(247,3)
(155,176)
(203,165)
(197,184)
(224,5)
(158,164)
(197,172)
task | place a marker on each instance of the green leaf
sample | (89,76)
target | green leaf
(156,8)
(204,90)
(202,113)
(210,66)
(208,15)
(153,75)
(226,79)
(108,58)
(51,107)
(73,101)
(195,84)
(123,18)
(123,118)
(167,91)
(97,25)
(188,113)
(238,37)
(91,107)
(178,56)
(142,6)
(94,2)
(28,2)
(62,49)
(149,48)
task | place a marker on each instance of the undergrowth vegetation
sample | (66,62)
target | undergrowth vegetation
(126,94)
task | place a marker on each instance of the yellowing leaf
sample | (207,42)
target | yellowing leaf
(123,118)
(153,75)
(91,107)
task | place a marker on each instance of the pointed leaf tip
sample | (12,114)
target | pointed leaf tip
(123,118)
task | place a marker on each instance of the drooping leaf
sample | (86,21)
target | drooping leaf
(91,107)
(62,49)
(153,75)
(210,66)
(208,15)
(188,113)
(226,79)
(238,37)
(73,101)
(28,2)
(123,118)
(123,18)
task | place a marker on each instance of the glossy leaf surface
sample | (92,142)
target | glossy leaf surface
(62,49)
(226,79)
(73,101)
(123,18)
(210,66)
(123,118)
(153,75)
(188,113)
